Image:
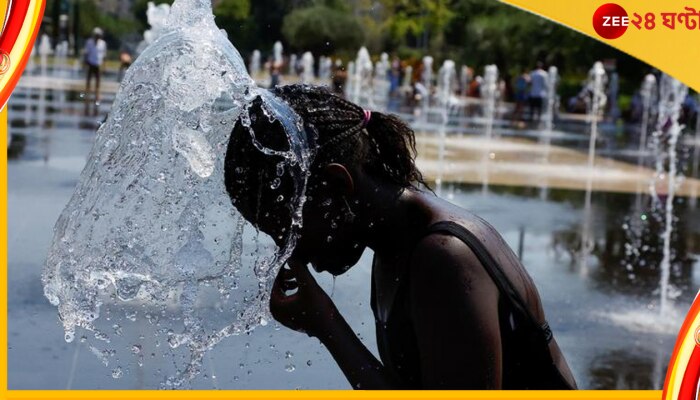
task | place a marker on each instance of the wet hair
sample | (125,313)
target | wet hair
(382,145)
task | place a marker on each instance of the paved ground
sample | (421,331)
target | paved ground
(521,162)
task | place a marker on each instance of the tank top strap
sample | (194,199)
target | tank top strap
(505,287)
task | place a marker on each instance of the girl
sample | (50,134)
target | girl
(454,308)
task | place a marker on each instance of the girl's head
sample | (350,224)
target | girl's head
(359,156)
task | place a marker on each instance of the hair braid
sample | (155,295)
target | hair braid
(387,147)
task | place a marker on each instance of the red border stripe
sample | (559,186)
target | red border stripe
(17,15)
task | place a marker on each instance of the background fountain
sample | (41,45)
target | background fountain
(649,96)
(325,70)
(489,95)
(672,93)
(551,106)
(351,81)
(426,90)
(44,52)
(277,53)
(363,93)
(596,101)
(446,85)
(254,66)
(60,70)
(293,65)
(307,63)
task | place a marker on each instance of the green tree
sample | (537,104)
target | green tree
(417,23)
(236,10)
(323,28)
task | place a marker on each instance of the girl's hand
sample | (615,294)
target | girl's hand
(298,303)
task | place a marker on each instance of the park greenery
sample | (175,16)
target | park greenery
(471,32)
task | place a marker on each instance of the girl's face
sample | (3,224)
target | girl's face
(329,238)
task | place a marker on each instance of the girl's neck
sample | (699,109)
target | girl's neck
(394,220)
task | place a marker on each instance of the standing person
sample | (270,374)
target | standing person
(95,53)
(453,305)
(538,90)
(521,83)
(125,60)
(275,73)
(340,75)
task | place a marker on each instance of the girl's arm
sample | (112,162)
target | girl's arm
(310,310)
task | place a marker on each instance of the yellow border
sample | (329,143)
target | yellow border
(3,252)
(340,394)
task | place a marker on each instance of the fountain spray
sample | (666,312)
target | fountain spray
(672,93)
(595,86)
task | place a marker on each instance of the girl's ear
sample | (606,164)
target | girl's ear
(339,179)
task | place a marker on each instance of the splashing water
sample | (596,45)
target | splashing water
(150,222)
(157,18)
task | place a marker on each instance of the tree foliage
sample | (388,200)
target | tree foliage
(322,29)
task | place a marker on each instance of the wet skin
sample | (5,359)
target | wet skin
(453,300)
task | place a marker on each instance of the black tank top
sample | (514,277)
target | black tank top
(527,359)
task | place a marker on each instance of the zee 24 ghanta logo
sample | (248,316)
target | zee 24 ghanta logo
(611,20)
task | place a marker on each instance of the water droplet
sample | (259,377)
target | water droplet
(288,354)
(136,349)
(290,368)
(117,373)
(308,362)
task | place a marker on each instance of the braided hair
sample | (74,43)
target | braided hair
(382,145)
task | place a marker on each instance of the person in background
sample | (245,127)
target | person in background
(95,53)
(125,60)
(538,91)
(521,83)
(395,76)
(275,73)
(340,75)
